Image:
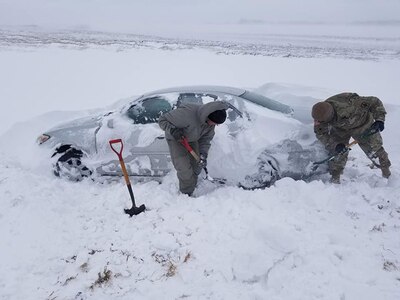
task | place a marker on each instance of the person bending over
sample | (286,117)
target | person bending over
(347,115)
(196,122)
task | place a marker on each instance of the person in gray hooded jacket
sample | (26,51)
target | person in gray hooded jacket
(196,122)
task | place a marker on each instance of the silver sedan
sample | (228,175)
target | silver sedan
(81,149)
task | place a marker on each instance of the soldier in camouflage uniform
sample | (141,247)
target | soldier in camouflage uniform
(347,115)
(196,123)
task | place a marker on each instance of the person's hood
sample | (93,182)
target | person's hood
(208,108)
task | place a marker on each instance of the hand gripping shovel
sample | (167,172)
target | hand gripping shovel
(329,158)
(134,210)
(348,148)
(187,146)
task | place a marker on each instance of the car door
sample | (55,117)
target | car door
(145,152)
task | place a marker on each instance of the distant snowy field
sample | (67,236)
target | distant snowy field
(295,240)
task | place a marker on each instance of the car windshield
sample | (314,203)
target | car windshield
(148,110)
(267,102)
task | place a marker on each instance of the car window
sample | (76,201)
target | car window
(232,100)
(149,110)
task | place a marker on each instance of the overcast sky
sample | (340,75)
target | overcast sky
(125,13)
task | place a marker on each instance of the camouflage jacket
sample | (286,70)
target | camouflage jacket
(353,116)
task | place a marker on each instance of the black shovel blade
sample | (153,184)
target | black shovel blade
(135,210)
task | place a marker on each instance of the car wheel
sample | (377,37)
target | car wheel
(268,173)
(70,166)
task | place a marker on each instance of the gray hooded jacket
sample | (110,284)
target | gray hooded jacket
(192,119)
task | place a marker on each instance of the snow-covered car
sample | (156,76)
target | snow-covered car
(259,142)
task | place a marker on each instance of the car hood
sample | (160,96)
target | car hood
(80,122)
(80,133)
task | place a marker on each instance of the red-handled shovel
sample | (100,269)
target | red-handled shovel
(187,146)
(134,210)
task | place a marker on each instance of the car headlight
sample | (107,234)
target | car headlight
(43,138)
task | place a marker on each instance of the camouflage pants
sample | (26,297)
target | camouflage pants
(185,165)
(371,145)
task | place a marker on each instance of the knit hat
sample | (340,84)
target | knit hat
(218,116)
(322,112)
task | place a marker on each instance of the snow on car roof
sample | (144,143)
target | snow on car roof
(199,89)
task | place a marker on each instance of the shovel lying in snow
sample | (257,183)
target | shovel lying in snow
(134,210)
(187,146)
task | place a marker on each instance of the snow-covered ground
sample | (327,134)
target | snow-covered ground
(295,240)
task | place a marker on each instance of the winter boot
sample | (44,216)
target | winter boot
(386,172)
(335,179)
(384,162)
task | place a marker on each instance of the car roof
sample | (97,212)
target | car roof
(199,89)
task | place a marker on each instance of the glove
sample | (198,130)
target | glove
(378,126)
(203,161)
(340,148)
(177,133)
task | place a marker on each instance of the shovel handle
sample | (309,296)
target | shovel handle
(352,144)
(117,141)
(185,144)
(121,160)
(348,146)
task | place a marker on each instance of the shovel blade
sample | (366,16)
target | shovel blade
(221,181)
(135,210)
